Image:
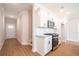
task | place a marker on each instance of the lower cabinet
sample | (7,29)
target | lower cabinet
(44,44)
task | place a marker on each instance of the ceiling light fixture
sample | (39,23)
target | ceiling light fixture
(62,9)
(11,16)
(10,26)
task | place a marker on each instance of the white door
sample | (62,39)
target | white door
(10,29)
(62,31)
(78,31)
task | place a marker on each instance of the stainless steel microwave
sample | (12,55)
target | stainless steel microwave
(50,24)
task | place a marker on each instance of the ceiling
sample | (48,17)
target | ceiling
(12,9)
(72,8)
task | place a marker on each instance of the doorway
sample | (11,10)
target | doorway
(62,32)
(10,26)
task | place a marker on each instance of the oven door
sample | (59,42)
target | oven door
(54,41)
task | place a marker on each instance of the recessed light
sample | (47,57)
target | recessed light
(11,16)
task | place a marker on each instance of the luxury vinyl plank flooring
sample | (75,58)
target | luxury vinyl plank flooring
(12,47)
(66,49)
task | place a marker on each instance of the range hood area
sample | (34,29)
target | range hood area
(55,40)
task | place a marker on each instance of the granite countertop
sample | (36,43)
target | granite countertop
(53,34)
(40,36)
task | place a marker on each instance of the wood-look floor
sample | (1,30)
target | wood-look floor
(12,47)
(66,49)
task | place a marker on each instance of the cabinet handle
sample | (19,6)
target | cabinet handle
(49,42)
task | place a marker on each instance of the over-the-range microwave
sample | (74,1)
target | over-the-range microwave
(50,24)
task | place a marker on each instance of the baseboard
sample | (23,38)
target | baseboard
(0,48)
(25,43)
(33,50)
(71,42)
(10,38)
(1,45)
(41,53)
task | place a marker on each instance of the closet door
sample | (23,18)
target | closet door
(78,31)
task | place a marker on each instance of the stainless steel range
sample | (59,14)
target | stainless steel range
(55,40)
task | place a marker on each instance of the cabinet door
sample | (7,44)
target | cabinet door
(48,43)
(37,17)
(50,17)
(43,17)
(40,45)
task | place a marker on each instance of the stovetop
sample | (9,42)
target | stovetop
(53,34)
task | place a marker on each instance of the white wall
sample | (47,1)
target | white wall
(34,24)
(30,25)
(25,36)
(19,29)
(71,30)
(77,30)
(2,31)
(10,32)
(23,28)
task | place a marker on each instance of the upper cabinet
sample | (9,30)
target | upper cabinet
(43,15)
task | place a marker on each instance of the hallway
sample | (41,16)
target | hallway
(12,47)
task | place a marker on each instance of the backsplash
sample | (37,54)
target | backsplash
(41,31)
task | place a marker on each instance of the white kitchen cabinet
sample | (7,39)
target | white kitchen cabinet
(42,16)
(44,44)
(48,43)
